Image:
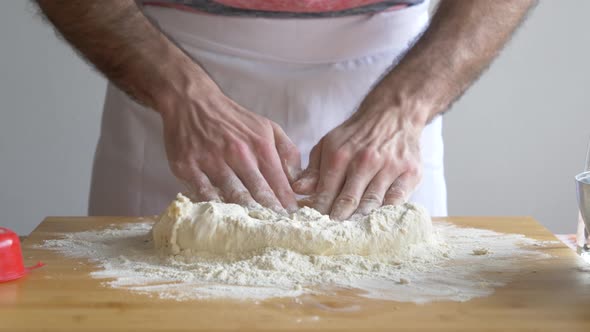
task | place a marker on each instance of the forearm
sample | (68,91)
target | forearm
(217,148)
(128,49)
(462,40)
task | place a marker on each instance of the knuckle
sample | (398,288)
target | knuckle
(395,193)
(340,156)
(367,157)
(315,150)
(415,171)
(203,191)
(237,147)
(330,142)
(267,123)
(181,168)
(346,199)
(400,165)
(397,162)
(391,169)
(267,128)
(371,198)
(265,148)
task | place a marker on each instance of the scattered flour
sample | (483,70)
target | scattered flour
(422,263)
(480,251)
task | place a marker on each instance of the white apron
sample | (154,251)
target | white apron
(307,75)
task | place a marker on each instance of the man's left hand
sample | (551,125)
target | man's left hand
(370,160)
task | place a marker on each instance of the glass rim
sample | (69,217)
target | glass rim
(579,176)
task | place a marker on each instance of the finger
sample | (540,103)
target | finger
(200,188)
(272,172)
(373,196)
(260,190)
(288,153)
(305,201)
(230,187)
(401,188)
(307,182)
(332,174)
(244,165)
(357,180)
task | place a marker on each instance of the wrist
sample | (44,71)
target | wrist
(183,86)
(406,105)
(169,78)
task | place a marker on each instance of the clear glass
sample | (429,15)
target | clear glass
(583,192)
(583,239)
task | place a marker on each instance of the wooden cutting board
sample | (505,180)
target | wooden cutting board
(548,296)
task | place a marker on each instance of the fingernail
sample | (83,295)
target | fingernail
(318,202)
(253,205)
(337,213)
(292,208)
(399,202)
(281,210)
(305,201)
(361,211)
(356,216)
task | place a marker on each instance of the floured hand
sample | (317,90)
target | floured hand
(223,152)
(372,159)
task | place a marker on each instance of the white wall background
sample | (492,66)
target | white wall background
(517,138)
(50,104)
(514,142)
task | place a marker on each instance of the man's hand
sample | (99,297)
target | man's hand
(211,141)
(219,149)
(224,152)
(371,159)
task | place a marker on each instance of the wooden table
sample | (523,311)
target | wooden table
(552,295)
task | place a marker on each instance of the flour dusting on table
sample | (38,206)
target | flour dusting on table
(441,262)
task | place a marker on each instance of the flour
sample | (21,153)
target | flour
(480,251)
(450,265)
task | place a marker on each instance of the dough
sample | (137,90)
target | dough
(221,229)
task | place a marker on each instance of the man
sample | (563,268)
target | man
(238,88)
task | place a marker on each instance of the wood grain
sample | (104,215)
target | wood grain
(552,295)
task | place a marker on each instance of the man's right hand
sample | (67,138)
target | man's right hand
(224,152)
(219,149)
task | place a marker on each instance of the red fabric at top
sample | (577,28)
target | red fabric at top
(298,6)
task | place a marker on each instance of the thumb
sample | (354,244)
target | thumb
(288,152)
(307,182)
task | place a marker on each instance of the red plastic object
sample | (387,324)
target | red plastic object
(11,257)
